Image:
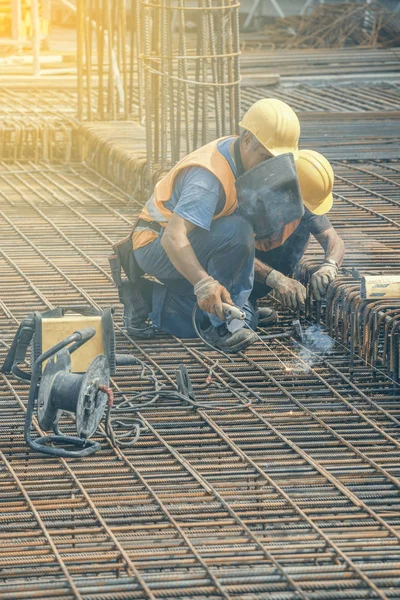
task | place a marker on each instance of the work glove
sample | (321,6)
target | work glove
(290,292)
(321,279)
(210,295)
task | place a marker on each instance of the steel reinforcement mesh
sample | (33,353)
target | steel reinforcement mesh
(39,124)
(367,213)
(289,492)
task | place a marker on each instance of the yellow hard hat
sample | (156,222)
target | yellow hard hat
(274,124)
(316,181)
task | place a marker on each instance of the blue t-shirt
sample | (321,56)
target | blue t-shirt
(197,194)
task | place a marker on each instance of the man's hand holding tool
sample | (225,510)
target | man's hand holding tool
(211,295)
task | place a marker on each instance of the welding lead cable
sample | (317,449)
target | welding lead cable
(197,330)
(124,415)
(229,358)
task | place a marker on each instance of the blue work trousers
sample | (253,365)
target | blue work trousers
(226,252)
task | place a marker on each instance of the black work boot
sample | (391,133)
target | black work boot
(136,299)
(266,316)
(221,338)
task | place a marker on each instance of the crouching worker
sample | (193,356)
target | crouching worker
(273,267)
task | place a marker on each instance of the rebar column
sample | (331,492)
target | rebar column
(107,35)
(16,20)
(192,91)
(35,37)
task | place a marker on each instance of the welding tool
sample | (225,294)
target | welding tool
(41,331)
(58,389)
(233,312)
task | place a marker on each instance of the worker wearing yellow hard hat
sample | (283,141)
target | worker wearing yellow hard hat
(316,177)
(274,124)
(273,267)
(198,232)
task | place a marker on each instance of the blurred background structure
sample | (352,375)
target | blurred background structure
(173,66)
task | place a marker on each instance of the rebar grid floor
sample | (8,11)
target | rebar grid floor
(60,103)
(293,496)
(329,98)
(322,62)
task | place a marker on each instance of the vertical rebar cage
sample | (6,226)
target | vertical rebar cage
(107,53)
(190,68)
(171,64)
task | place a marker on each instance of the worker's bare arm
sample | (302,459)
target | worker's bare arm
(261,270)
(332,244)
(210,294)
(176,244)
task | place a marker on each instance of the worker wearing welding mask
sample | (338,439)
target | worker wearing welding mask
(273,267)
(193,237)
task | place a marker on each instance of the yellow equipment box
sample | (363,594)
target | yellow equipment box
(55,329)
(374,287)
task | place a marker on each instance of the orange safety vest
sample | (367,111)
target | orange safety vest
(209,158)
(278,237)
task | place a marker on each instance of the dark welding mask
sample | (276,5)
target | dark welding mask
(269,197)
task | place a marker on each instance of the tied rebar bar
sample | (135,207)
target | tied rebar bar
(170,64)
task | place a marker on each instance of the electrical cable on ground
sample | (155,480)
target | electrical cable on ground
(215,349)
(123,426)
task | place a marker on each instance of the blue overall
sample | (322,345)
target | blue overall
(226,252)
(224,247)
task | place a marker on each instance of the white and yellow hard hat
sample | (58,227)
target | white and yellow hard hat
(274,124)
(316,181)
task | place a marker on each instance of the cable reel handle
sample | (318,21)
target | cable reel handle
(85,334)
(88,311)
(81,337)
(76,339)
